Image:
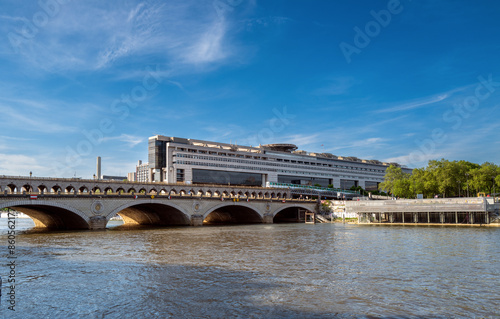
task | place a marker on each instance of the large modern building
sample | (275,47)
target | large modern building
(181,160)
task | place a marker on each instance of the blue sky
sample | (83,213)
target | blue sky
(403,81)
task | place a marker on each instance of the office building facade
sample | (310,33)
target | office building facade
(181,160)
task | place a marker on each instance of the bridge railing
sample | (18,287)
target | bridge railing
(163,184)
(308,187)
(35,196)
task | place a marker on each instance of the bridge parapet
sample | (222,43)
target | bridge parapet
(19,184)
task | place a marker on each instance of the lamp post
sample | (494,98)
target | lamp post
(467,176)
(415,188)
(31,187)
(493,181)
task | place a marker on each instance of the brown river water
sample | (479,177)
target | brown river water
(254,271)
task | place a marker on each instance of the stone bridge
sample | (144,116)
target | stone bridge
(89,204)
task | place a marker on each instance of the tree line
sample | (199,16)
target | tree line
(443,178)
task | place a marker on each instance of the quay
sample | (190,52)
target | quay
(445,211)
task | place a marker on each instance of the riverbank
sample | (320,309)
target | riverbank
(431,224)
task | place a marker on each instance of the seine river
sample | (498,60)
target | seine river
(255,271)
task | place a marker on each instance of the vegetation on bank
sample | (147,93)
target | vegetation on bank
(443,178)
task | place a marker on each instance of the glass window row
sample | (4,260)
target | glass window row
(221,159)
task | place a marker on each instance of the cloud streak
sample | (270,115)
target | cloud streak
(91,35)
(415,104)
(131,140)
(425,101)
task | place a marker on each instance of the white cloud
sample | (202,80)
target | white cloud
(97,35)
(302,140)
(336,86)
(415,104)
(17,164)
(32,121)
(209,46)
(131,140)
(425,101)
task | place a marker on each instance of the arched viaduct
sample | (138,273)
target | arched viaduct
(94,212)
(90,204)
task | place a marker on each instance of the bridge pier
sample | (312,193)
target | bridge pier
(268,219)
(197,220)
(97,223)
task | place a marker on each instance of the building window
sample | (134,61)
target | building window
(180,175)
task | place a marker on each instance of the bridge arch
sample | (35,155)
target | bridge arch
(132,190)
(11,188)
(233,213)
(83,189)
(49,214)
(69,189)
(289,213)
(42,189)
(120,190)
(146,212)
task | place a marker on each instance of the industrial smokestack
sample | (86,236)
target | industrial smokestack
(98,167)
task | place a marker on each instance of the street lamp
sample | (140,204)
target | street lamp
(493,181)
(31,187)
(467,176)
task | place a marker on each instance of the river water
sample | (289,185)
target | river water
(255,271)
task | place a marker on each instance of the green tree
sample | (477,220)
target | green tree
(449,178)
(396,182)
(484,177)
(402,188)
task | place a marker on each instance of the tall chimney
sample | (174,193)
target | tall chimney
(98,167)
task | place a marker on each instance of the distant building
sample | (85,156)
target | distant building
(113,178)
(142,172)
(181,160)
(131,177)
